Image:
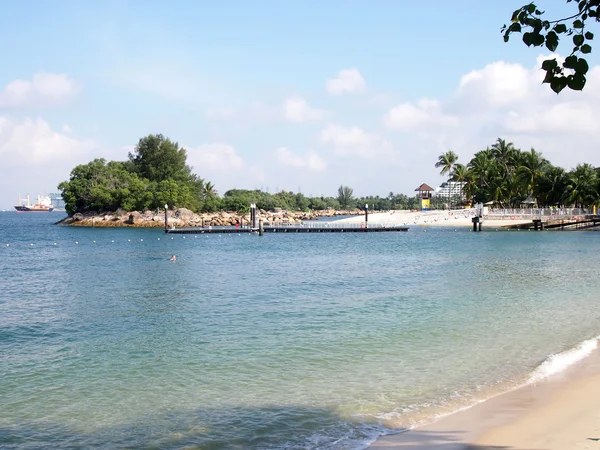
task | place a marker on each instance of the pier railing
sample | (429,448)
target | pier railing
(538,212)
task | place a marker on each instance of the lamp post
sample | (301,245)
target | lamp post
(166,217)
(366,215)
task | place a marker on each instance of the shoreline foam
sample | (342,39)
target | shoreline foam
(526,416)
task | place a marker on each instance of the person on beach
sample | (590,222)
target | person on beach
(173,258)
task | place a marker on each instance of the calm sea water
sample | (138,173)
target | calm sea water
(281,341)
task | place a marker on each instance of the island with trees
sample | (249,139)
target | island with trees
(134,192)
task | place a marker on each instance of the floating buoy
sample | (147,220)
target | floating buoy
(55,243)
(94,242)
(158,239)
(128,240)
(31,245)
(141,240)
(77,243)
(112,241)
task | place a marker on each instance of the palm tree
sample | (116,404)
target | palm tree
(505,154)
(209,190)
(481,168)
(446,161)
(462,175)
(553,186)
(582,186)
(531,170)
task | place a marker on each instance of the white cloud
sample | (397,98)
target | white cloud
(33,142)
(348,141)
(43,89)
(425,112)
(296,109)
(346,81)
(312,161)
(508,101)
(215,157)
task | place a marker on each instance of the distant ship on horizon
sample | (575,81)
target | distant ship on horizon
(44,204)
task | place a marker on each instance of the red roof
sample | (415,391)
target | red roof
(424,187)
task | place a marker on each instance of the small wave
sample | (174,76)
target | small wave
(560,361)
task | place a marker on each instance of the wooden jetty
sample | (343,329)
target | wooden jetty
(257,226)
(301,228)
(557,222)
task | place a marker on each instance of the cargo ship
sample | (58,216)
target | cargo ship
(44,204)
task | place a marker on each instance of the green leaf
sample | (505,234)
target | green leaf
(589,35)
(558,84)
(515,27)
(551,41)
(582,66)
(576,81)
(538,40)
(578,39)
(570,62)
(578,24)
(515,15)
(549,64)
(560,28)
(528,38)
(585,48)
(531,8)
(549,77)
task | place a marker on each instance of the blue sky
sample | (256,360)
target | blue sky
(278,95)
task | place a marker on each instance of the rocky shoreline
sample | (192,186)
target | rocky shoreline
(182,217)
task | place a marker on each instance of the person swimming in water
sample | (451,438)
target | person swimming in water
(173,258)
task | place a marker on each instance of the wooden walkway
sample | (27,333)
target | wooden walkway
(312,228)
(555,222)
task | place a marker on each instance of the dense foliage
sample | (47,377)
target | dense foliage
(511,177)
(538,32)
(154,175)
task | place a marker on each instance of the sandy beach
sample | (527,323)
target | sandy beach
(558,412)
(458,219)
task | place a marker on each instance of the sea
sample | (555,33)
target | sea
(285,341)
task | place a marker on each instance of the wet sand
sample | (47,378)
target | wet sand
(560,412)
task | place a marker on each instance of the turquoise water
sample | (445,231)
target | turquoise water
(282,341)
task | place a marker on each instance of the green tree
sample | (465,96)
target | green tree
(446,161)
(158,158)
(345,197)
(538,31)
(582,186)
(532,169)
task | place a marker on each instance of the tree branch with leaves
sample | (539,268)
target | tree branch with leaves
(537,32)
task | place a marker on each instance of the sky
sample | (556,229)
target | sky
(301,96)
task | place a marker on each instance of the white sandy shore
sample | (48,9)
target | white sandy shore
(561,412)
(458,219)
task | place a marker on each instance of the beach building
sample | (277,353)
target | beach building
(424,193)
(451,189)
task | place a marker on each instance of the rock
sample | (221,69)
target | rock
(135,218)
(77,217)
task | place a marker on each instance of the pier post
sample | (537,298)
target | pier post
(366,216)
(253,216)
(203,222)
(475,221)
(166,217)
(261,230)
